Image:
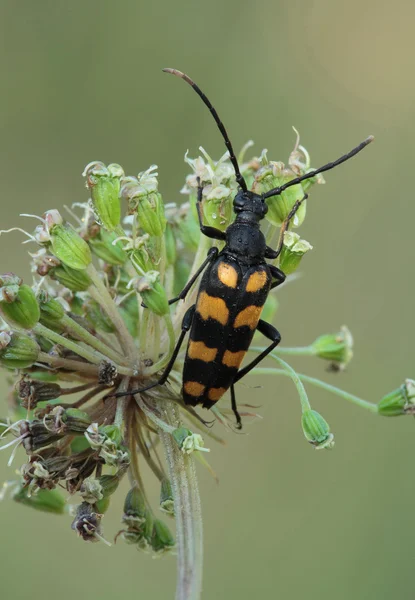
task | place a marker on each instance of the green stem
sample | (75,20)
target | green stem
(90,355)
(68,364)
(297,351)
(121,404)
(82,334)
(323,385)
(187,509)
(101,294)
(305,404)
(164,360)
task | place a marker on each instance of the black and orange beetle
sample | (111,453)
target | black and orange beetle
(233,290)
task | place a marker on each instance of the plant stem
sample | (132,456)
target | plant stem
(323,385)
(69,364)
(82,334)
(297,351)
(289,371)
(90,355)
(101,294)
(187,509)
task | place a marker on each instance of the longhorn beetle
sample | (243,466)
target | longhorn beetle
(233,289)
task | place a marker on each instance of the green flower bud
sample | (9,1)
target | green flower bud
(104,247)
(75,420)
(17,350)
(18,307)
(50,501)
(217,206)
(92,490)
(337,348)
(74,280)
(400,401)
(153,293)
(166,498)
(145,201)
(51,312)
(31,392)
(107,440)
(162,539)
(69,247)
(135,509)
(188,442)
(292,252)
(104,185)
(272,175)
(316,430)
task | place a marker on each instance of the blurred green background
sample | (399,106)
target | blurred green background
(82,81)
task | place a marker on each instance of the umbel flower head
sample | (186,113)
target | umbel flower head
(96,321)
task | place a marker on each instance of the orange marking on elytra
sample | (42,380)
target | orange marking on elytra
(248,316)
(201,351)
(227,275)
(215,393)
(194,388)
(256,281)
(213,308)
(233,359)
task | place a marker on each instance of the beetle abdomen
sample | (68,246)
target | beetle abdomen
(228,308)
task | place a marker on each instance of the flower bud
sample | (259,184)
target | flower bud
(162,539)
(30,392)
(87,522)
(75,420)
(153,293)
(17,350)
(217,206)
(135,509)
(187,441)
(18,304)
(9,287)
(316,430)
(51,312)
(166,498)
(107,440)
(104,247)
(103,505)
(69,247)
(104,185)
(273,175)
(292,252)
(50,501)
(145,201)
(75,280)
(399,402)
(337,348)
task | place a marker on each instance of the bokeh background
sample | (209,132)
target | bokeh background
(82,81)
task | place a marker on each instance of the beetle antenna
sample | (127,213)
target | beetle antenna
(239,177)
(277,191)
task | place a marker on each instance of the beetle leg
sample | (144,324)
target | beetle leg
(212,254)
(272,334)
(235,409)
(277,274)
(186,324)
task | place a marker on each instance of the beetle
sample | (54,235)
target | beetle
(234,287)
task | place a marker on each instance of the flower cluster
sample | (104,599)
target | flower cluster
(96,321)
